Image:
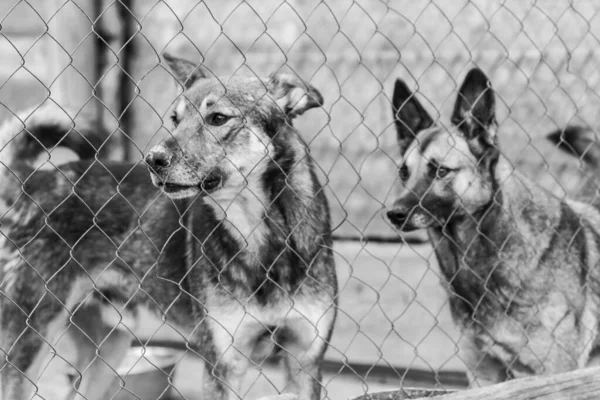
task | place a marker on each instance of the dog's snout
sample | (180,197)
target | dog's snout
(159,159)
(397,216)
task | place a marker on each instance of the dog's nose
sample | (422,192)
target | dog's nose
(397,217)
(158,159)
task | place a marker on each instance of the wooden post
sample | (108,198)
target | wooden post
(583,384)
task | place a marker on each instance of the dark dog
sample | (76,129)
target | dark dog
(228,240)
(520,265)
(578,141)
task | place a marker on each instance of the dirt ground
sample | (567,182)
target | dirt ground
(392,312)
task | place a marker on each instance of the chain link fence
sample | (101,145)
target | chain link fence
(394,328)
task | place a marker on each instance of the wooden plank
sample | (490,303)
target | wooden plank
(581,384)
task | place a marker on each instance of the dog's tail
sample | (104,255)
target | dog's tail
(578,141)
(25,137)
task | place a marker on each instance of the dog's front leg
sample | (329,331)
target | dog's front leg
(231,337)
(311,329)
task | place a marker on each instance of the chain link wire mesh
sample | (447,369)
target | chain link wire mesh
(394,327)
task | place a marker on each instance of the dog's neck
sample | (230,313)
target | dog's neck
(519,208)
(487,252)
(251,210)
(241,210)
(291,235)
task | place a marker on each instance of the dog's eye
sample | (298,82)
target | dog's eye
(403,172)
(174,120)
(217,119)
(442,172)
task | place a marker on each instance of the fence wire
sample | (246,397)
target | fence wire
(112,290)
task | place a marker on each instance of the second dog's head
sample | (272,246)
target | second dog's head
(224,130)
(446,171)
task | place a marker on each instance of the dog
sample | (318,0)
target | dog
(520,265)
(227,239)
(578,141)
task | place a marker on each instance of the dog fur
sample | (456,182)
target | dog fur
(227,239)
(578,141)
(520,265)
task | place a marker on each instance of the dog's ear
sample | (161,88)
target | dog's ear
(293,95)
(410,116)
(185,71)
(578,141)
(475,112)
(475,108)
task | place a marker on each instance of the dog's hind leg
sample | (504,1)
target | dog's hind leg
(42,346)
(27,353)
(308,332)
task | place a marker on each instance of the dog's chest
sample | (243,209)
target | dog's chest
(244,320)
(242,214)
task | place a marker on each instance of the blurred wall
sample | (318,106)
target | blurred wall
(541,57)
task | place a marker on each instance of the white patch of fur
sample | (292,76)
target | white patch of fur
(301,178)
(586,212)
(180,107)
(47,114)
(159,148)
(8,130)
(242,212)
(242,202)
(11,264)
(237,326)
(182,194)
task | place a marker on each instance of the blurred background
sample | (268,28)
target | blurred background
(394,327)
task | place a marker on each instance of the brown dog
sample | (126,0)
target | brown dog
(229,240)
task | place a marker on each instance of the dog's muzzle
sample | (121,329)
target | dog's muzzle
(207,186)
(159,160)
(401,219)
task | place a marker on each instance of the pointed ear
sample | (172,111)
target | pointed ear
(578,141)
(186,72)
(409,115)
(292,95)
(475,108)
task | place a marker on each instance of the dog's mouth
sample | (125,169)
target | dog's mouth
(406,226)
(407,222)
(209,185)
